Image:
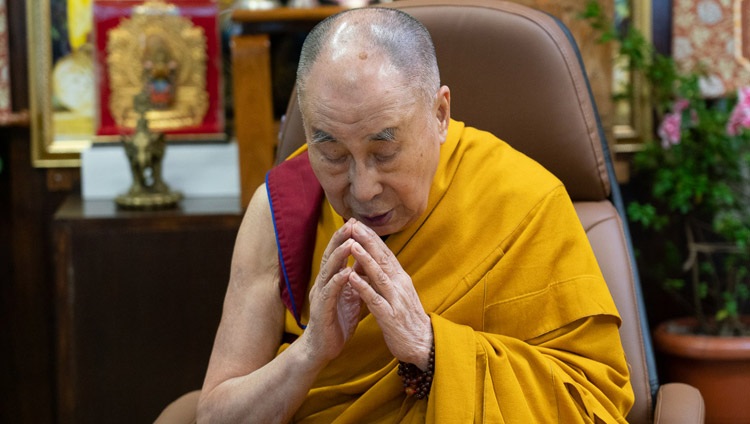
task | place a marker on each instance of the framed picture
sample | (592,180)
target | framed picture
(61,120)
(713,37)
(171,51)
(71,83)
(632,120)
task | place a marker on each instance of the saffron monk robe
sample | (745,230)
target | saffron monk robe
(398,235)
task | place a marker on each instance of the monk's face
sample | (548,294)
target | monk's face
(374,143)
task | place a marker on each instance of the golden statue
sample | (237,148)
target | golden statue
(145,152)
(159,73)
(158,47)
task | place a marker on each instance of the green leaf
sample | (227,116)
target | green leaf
(721,315)
(730,306)
(702,290)
(674,284)
(743,293)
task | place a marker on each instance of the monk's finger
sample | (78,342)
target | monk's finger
(376,248)
(330,292)
(367,237)
(335,262)
(324,299)
(376,303)
(378,279)
(340,236)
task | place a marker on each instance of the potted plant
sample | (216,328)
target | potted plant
(692,206)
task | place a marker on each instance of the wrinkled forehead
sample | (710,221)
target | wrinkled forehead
(356,78)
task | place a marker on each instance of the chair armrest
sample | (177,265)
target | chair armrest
(679,403)
(181,411)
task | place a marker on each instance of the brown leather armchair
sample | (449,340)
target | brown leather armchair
(517,73)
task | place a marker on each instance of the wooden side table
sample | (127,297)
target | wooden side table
(139,298)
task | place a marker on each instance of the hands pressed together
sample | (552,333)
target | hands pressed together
(377,280)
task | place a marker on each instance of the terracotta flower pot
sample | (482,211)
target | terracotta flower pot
(718,366)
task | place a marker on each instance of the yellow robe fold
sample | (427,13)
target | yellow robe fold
(525,328)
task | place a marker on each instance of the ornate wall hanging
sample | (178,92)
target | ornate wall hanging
(713,35)
(170,49)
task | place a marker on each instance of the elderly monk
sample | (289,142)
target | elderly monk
(404,267)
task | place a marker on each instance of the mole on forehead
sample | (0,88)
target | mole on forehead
(363,55)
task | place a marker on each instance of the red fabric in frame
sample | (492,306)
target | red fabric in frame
(202,13)
(295,196)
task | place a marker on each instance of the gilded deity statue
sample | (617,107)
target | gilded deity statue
(159,72)
(166,51)
(145,152)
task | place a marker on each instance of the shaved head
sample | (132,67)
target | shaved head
(390,36)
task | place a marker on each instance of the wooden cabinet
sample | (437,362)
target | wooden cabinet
(139,297)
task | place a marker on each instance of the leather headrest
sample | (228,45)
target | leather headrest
(515,72)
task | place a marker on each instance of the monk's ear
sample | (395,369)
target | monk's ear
(443,111)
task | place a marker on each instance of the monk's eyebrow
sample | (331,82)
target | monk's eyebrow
(388,134)
(320,136)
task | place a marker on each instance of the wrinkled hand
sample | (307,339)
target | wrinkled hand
(389,294)
(334,304)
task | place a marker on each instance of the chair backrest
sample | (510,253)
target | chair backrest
(517,72)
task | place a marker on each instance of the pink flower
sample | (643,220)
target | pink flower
(740,117)
(669,129)
(680,105)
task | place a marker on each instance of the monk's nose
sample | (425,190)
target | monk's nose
(364,182)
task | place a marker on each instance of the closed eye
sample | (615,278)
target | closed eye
(385,158)
(335,159)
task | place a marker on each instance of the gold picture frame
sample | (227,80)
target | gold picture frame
(633,121)
(49,146)
(64,85)
(172,49)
